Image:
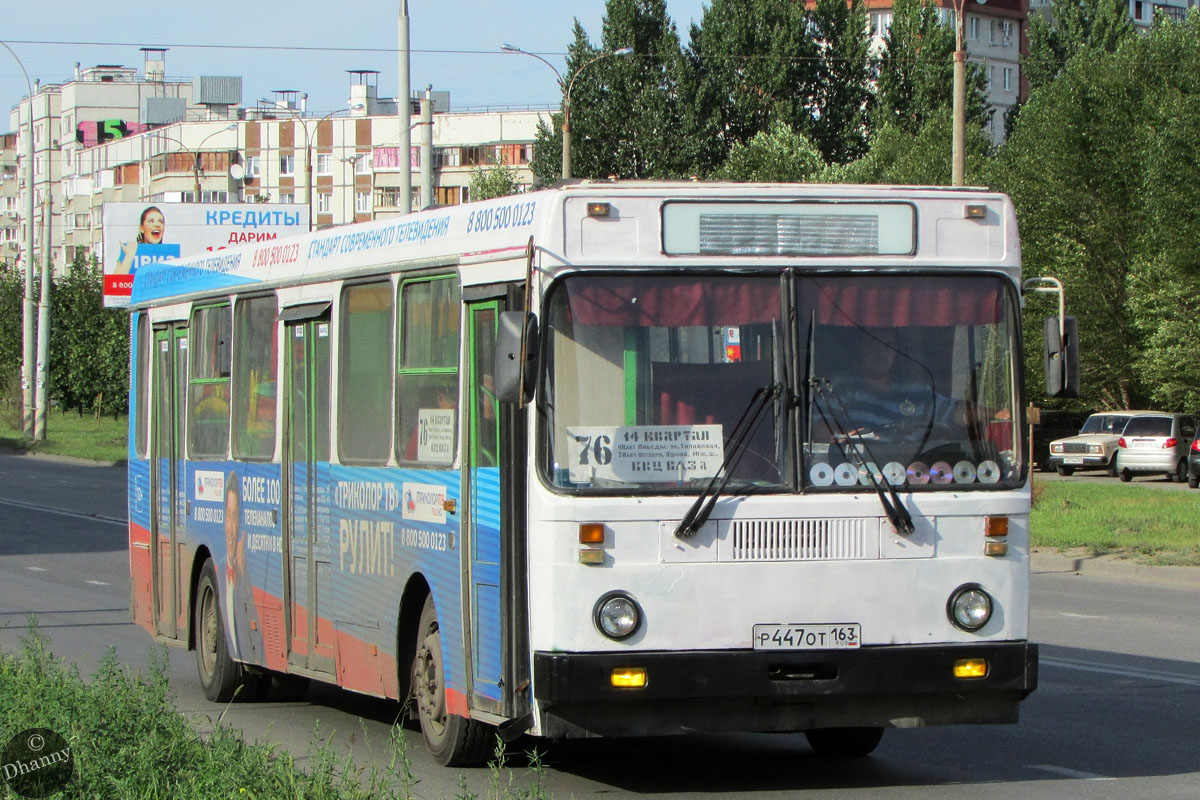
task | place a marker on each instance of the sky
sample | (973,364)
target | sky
(455,44)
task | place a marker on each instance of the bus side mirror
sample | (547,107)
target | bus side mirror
(517,332)
(1060,357)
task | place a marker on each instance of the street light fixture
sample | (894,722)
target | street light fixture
(308,167)
(566,86)
(195,154)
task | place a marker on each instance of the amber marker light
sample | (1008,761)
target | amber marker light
(628,678)
(588,555)
(968,668)
(599,209)
(591,533)
(995,548)
(995,526)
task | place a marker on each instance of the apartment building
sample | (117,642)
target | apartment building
(116,134)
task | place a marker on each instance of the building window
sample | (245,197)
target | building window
(324,202)
(1008,73)
(362,202)
(974,29)
(1006,32)
(252,166)
(991,31)
(387,197)
(287,197)
(287,164)
(324,163)
(362,164)
(991,78)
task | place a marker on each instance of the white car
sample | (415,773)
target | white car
(1095,446)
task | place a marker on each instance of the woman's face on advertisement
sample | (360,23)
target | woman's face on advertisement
(152,227)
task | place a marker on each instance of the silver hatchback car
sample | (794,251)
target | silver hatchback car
(1156,443)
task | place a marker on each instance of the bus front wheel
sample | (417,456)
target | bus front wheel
(453,741)
(220,676)
(844,742)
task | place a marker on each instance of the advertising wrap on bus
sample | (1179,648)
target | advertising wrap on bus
(137,234)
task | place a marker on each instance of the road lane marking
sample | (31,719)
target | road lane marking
(1079,616)
(1069,773)
(64,512)
(1125,672)
(99,583)
(35,569)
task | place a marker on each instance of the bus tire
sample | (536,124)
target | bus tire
(453,741)
(220,675)
(844,742)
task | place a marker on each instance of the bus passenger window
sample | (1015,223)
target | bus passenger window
(427,372)
(364,375)
(254,378)
(208,389)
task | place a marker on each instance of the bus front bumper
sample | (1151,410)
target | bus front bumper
(757,690)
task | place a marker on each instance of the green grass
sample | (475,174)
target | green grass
(1151,526)
(70,435)
(129,742)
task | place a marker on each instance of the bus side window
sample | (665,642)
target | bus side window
(427,371)
(365,374)
(208,388)
(254,378)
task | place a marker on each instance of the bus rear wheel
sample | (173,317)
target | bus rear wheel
(844,742)
(220,675)
(452,740)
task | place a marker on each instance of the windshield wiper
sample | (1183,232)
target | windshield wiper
(735,448)
(896,513)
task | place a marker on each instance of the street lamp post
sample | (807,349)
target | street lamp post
(958,152)
(308,166)
(27,366)
(566,86)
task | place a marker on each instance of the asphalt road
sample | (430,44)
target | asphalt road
(1113,717)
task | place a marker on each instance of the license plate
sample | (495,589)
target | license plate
(1145,443)
(839,636)
(1072,460)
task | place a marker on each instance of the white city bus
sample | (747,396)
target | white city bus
(610,459)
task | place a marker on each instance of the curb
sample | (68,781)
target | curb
(1113,568)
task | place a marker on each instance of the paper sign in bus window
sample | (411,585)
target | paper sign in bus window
(646,453)
(435,436)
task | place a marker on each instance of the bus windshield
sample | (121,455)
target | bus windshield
(832,379)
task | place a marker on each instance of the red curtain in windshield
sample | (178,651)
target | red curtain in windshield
(902,301)
(672,302)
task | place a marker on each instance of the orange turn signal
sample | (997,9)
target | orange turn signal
(995,526)
(971,668)
(591,533)
(628,678)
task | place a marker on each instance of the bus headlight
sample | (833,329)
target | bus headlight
(617,615)
(970,607)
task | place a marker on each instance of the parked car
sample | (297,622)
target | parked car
(1054,424)
(1156,443)
(1194,462)
(1095,446)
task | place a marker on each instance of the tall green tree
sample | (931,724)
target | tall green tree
(89,344)
(1075,167)
(843,83)
(916,71)
(776,155)
(1072,26)
(498,180)
(921,158)
(625,110)
(753,62)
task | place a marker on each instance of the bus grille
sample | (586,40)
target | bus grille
(803,539)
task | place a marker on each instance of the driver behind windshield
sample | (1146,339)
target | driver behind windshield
(878,391)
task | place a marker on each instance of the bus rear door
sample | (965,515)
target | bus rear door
(168,493)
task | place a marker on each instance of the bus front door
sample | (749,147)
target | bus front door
(307,548)
(168,492)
